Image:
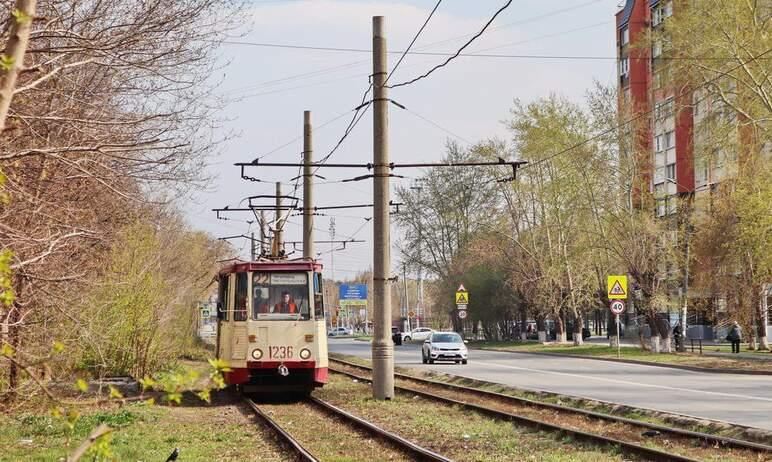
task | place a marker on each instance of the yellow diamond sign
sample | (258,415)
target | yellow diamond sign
(617,287)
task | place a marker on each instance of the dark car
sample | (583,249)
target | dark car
(396,336)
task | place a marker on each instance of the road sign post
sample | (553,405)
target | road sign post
(618,307)
(617,293)
(462,300)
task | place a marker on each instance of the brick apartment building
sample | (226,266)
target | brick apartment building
(671,164)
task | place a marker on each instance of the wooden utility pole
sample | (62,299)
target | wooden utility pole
(382,346)
(308,185)
(22,15)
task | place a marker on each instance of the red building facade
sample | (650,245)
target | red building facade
(663,136)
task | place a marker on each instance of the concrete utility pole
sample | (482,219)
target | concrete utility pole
(382,346)
(278,234)
(332,267)
(407,296)
(308,185)
(252,247)
(263,234)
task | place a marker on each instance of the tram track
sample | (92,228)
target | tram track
(359,432)
(760,451)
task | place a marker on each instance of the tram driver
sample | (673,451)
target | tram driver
(286,305)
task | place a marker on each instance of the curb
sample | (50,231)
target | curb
(636,362)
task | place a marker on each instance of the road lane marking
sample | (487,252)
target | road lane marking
(663,387)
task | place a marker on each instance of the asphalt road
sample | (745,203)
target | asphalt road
(740,399)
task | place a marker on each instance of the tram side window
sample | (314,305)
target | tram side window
(242,290)
(318,297)
(222,298)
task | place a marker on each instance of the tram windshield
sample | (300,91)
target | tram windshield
(280,296)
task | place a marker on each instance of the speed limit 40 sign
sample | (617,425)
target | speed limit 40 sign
(617,306)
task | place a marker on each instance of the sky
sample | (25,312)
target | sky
(466,101)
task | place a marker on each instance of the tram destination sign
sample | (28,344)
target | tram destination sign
(353,294)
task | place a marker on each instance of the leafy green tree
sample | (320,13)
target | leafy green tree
(443,212)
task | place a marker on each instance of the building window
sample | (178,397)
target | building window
(658,143)
(661,207)
(670,172)
(669,139)
(624,66)
(624,36)
(667,10)
(661,12)
(701,173)
(656,16)
(656,49)
(668,106)
(659,190)
(664,108)
(672,205)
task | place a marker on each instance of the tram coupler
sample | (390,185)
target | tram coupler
(283,371)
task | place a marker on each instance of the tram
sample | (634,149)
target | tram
(271,326)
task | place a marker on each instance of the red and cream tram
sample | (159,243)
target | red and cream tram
(271,326)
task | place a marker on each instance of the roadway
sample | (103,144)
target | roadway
(740,399)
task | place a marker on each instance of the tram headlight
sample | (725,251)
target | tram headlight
(305,353)
(257,353)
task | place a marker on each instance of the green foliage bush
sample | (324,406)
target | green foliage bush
(141,313)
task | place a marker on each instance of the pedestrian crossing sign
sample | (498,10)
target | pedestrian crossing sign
(617,287)
(462,298)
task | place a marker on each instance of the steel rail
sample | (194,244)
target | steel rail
(625,447)
(408,447)
(416,451)
(302,453)
(707,437)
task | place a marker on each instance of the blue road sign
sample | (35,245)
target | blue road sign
(353,294)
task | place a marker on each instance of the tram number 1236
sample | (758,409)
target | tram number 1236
(280,352)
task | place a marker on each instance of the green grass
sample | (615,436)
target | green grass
(458,434)
(141,432)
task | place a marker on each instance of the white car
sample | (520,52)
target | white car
(417,335)
(444,346)
(338,331)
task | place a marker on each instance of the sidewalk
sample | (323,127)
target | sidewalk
(706,345)
(750,356)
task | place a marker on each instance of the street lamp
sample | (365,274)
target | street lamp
(420,298)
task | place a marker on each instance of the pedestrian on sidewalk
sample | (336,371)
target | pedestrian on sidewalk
(678,336)
(735,336)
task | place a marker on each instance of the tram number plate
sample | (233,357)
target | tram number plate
(279,352)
